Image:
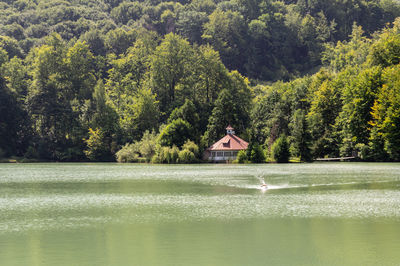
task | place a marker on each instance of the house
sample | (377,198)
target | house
(227,148)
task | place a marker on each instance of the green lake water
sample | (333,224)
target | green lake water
(130,214)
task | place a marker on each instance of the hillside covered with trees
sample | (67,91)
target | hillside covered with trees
(153,80)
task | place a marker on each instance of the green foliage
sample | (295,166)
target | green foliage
(386,51)
(10,121)
(280,150)
(257,154)
(186,156)
(144,149)
(386,113)
(128,154)
(348,53)
(231,108)
(126,67)
(241,157)
(148,145)
(192,147)
(262,39)
(96,146)
(176,133)
(167,155)
(300,139)
(186,112)
(171,69)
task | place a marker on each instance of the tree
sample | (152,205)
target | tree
(225,31)
(222,115)
(358,98)
(170,71)
(78,72)
(95,41)
(59,97)
(280,150)
(10,45)
(148,145)
(300,136)
(128,154)
(345,54)
(47,103)
(190,24)
(386,114)
(117,41)
(242,156)
(16,77)
(325,107)
(176,133)
(231,107)
(386,51)
(11,122)
(96,148)
(186,156)
(257,154)
(105,118)
(187,112)
(191,146)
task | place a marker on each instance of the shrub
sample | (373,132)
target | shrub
(166,155)
(241,157)
(257,154)
(174,154)
(175,133)
(280,150)
(97,149)
(147,145)
(128,154)
(364,151)
(186,156)
(191,146)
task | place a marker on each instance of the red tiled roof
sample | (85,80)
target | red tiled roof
(229,142)
(229,127)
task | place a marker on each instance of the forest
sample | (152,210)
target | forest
(157,81)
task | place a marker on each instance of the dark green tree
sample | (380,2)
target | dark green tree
(280,150)
(176,133)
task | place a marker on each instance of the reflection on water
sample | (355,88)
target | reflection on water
(112,214)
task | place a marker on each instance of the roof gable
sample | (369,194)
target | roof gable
(229,142)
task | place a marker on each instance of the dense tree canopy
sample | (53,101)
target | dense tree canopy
(80,79)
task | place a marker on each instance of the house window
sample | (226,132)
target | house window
(220,153)
(235,153)
(228,154)
(213,154)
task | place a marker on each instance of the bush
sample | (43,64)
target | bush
(166,155)
(364,151)
(241,157)
(173,154)
(186,156)
(257,154)
(280,150)
(147,145)
(191,146)
(175,133)
(97,149)
(128,154)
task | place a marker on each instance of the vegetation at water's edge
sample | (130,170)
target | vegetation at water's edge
(159,81)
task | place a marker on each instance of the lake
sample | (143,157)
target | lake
(133,214)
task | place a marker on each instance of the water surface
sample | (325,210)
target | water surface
(130,214)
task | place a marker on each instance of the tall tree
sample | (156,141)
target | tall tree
(170,72)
